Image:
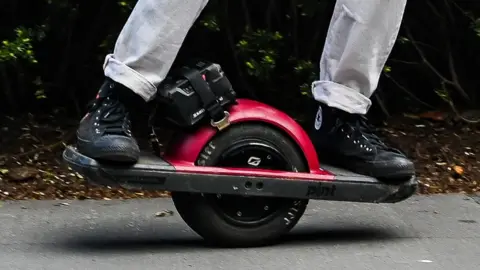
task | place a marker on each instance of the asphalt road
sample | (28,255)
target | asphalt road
(439,232)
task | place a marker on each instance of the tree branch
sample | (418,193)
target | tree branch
(403,88)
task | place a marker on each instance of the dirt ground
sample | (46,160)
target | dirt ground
(445,153)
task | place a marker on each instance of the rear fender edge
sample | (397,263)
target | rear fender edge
(187,148)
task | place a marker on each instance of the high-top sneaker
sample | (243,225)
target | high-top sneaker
(105,132)
(346,140)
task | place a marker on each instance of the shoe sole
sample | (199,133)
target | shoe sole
(387,174)
(111,153)
(116,157)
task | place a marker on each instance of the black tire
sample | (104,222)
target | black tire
(204,217)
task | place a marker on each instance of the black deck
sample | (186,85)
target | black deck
(153,173)
(347,175)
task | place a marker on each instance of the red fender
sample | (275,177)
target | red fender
(185,150)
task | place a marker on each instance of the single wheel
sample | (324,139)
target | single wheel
(241,221)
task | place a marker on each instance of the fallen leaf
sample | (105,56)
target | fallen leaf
(164,213)
(411,116)
(22,173)
(434,115)
(458,170)
(3,171)
(62,204)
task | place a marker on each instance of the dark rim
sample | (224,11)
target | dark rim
(247,211)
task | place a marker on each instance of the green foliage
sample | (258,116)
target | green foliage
(272,46)
(19,48)
(260,49)
(126,6)
(476,26)
(211,23)
(306,69)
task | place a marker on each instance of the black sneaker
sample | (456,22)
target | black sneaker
(346,140)
(105,132)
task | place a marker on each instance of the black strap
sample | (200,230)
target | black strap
(201,87)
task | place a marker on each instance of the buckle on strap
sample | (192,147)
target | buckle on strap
(223,123)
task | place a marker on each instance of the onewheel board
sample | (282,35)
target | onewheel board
(155,173)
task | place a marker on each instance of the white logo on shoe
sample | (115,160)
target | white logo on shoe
(318,118)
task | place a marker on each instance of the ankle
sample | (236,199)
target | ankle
(125,95)
(137,108)
(331,116)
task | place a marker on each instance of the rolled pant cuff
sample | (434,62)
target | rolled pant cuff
(128,77)
(341,97)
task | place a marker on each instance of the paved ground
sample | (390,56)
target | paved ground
(440,232)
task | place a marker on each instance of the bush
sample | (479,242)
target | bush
(52,51)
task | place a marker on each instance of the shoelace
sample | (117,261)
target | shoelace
(114,116)
(360,123)
(368,132)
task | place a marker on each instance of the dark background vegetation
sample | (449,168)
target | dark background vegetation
(52,51)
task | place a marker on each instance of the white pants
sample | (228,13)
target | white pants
(359,41)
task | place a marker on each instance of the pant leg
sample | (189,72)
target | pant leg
(149,43)
(361,36)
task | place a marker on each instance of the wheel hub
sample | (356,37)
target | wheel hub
(250,154)
(246,210)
